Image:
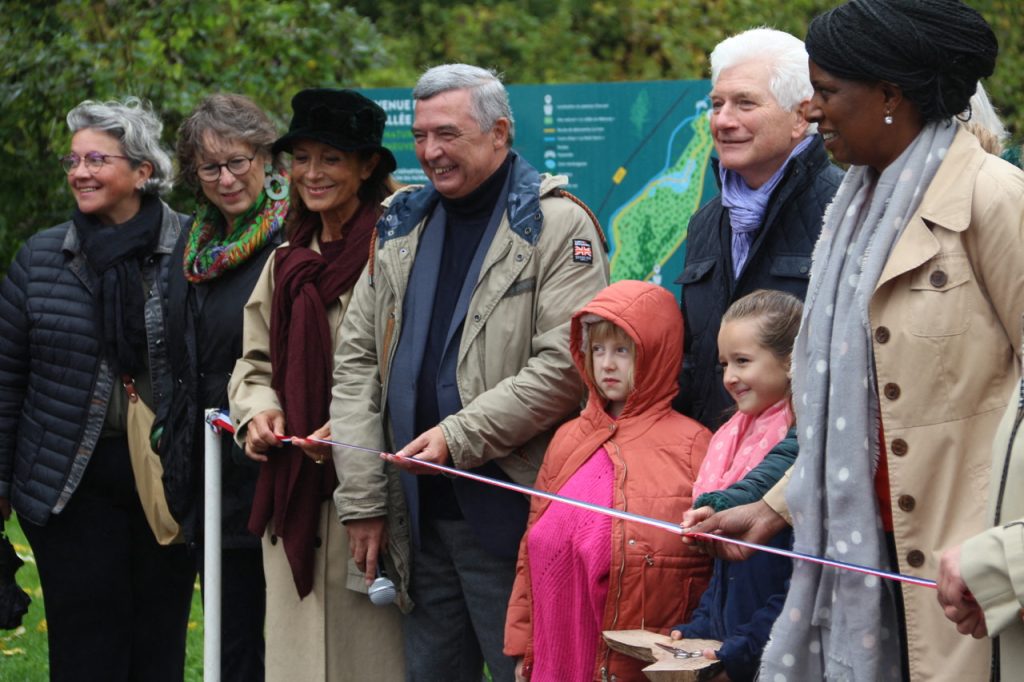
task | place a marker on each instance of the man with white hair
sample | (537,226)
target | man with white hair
(455,348)
(776,181)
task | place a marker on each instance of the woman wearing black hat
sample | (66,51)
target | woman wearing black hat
(316,628)
(913,318)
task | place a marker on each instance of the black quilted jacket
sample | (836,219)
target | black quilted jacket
(780,258)
(54,386)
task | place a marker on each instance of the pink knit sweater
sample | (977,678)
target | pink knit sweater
(570,559)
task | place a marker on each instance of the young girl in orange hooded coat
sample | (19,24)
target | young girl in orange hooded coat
(580,572)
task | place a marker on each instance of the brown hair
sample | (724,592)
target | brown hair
(228,116)
(778,315)
(603,330)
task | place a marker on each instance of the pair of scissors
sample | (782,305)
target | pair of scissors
(679,653)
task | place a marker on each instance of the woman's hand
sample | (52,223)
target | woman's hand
(755,522)
(261,434)
(956,599)
(520,677)
(318,452)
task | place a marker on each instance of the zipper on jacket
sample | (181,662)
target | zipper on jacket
(622,562)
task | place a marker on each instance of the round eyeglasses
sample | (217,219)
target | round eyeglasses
(210,172)
(93,161)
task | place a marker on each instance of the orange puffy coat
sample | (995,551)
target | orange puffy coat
(655,580)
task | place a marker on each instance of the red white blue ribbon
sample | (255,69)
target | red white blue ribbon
(221,421)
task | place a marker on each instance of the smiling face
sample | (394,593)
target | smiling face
(753,135)
(327,179)
(851,119)
(111,193)
(753,375)
(232,194)
(454,153)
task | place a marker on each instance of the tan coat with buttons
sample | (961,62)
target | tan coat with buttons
(945,320)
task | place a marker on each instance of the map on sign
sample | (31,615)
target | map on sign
(636,153)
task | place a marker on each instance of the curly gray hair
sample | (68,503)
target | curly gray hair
(134,124)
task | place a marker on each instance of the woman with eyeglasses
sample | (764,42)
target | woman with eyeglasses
(81,320)
(323,625)
(224,155)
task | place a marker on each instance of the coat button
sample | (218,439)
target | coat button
(273,539)
(882,335)
(915,558)
(938,279)
(892,391)
(476,317)
(898,447)
(611,427)
(907,503)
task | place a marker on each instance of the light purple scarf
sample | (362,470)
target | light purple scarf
(747,206)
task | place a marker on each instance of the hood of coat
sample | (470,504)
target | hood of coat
(651,317)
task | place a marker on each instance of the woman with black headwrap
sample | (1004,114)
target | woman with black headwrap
(906,356)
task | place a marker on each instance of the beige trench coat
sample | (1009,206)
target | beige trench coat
(945,321)
(992,563)
(335,633)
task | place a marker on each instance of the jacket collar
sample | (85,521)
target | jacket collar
(406,210)
(169,229)
(947,203)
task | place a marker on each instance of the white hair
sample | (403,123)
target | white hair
(489,96)
(984,122)
(785,56)
(136,127)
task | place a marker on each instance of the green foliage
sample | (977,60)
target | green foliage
(59,52)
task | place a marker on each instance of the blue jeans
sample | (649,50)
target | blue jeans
(461,592)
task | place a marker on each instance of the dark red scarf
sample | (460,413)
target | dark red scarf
(291,487)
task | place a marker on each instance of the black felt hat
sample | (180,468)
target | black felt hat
(342,119)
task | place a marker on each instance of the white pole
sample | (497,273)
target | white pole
(211,553)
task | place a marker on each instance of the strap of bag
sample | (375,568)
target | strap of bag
(128,381)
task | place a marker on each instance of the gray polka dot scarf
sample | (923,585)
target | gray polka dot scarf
(840,625)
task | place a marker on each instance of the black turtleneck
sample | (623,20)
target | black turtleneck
(467,219)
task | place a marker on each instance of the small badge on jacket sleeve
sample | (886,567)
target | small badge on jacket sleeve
(582,251)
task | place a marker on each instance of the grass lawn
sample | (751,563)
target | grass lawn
(23,652)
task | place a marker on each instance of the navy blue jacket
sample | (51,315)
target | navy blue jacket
(780,258)
(745,597)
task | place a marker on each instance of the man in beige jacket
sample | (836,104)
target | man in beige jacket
(455,349)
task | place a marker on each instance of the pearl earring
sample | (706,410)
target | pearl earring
(888,118)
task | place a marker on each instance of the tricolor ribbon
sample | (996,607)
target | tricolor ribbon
(221,421)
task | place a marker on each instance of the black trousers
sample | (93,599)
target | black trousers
(243,605)
(117,602)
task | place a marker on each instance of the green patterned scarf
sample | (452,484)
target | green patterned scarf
(210,252)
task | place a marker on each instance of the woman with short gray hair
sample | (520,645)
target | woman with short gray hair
(82,333)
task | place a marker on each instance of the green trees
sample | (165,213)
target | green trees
(55,53)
